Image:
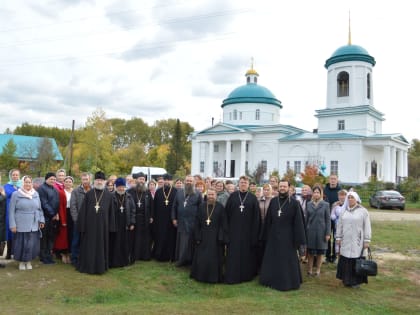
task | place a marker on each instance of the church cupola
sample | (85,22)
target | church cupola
(251,75)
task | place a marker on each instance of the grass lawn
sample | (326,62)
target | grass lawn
(162,288)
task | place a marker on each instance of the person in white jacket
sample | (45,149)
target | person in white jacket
(353,235)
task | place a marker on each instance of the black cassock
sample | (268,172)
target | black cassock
(119,249)
(243,225)
(284,234)
(184,210)
(209,237)
(164,232)
(94,225)
(141,239)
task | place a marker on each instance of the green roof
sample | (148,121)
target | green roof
(350,53)
(27,146)
(251,93)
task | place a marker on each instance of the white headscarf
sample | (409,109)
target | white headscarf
(355,195)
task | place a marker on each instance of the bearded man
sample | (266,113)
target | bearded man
(164,232)
(140,238)
(95,221)
(125,215)
(284,232)
(184,210)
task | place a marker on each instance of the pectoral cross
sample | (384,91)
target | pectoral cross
(185,203)
(166,202)
(122,209)
(242,207)
(139,204)
(208,221)
(279,212)
(97,207)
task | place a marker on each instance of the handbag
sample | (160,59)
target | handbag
(366,266)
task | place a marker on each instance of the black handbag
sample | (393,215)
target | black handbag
(366,266)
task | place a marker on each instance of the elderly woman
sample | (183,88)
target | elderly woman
(26,218)
(353,234)
(318,227)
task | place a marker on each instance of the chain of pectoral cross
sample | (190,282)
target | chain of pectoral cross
(242,207)
(97,201)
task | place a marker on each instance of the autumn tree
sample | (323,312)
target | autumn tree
(46,157)
(414,159)
(311,175)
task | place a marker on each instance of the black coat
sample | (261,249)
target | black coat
(50,200)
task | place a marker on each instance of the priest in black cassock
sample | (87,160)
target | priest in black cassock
(210,237)
(140,238)
(184,212)
(95,221)
(284,232)
(125,217)
(164,232)
(243,216)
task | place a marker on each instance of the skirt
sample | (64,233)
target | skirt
(346,272)
(316,252)
(26,246)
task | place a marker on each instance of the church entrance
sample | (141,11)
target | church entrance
(231,173)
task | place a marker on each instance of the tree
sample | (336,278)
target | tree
(8,159)
(311,175)
(95,150)
(176,155)
(45,161)
(414,159)
(258,174)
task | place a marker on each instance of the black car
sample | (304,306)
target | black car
(387,199)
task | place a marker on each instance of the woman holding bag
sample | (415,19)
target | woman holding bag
(353,234)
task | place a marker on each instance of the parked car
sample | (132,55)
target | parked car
(387,199)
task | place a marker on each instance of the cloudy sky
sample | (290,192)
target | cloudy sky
(62,59)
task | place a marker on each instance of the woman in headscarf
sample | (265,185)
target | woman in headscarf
(26,218)
(13,185)
(353,234)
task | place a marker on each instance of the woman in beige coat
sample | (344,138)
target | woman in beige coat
(353,234)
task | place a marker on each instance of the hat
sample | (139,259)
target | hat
(49,174)
(167,177)
(140,174)
(100,175)
(119,182)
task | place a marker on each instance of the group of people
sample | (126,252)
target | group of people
(223,233)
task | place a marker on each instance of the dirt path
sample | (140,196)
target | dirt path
(393,215)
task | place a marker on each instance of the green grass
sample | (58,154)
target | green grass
(157,288)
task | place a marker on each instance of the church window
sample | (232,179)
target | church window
(288,165)
(255,79)
(216,148)
(201,166)
(231,147)
(247,147)
(257,114)
(368,86)
(343,84)
(297,167)
(240,115)
(230,116)
(215,167)
(341,125)
(235,114)
(264,165)
(374,126)
(248,80)
(334,167)
(246,167)
(366,168)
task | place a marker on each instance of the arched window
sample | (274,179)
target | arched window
(257,114)
(343,84)
(235,114)
(368,86)
(248,79)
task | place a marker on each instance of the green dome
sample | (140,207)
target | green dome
(251,93)
(350,53)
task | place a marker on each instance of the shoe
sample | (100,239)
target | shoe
(309,274)
(28,266)
(22,266)
(48,262)
(316,274)
(356,286)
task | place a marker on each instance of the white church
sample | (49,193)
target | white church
(348,141)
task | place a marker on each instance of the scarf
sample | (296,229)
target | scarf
(27,194)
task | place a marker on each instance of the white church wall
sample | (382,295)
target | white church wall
(246,114)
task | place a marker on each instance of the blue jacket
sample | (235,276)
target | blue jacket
(49,200)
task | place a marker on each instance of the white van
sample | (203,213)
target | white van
(149,171)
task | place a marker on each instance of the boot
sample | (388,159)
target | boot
(9,250)
(2,246)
